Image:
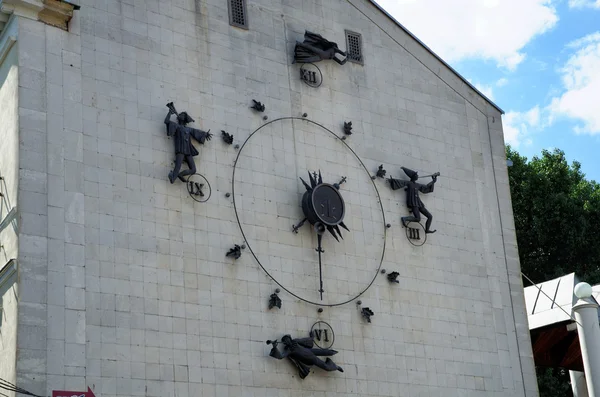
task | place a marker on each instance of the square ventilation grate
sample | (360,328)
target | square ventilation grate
(354,47)
(238,15)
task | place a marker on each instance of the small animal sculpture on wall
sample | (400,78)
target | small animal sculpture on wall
(235,252)
(413,201)
(275,300)
(184,149)
(258,106)
(303,355)
(348,127)
(227,138)
(316,48)
(393,277)
(367,313)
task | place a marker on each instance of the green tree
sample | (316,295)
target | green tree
(557,217)
(557,221)
(554,382)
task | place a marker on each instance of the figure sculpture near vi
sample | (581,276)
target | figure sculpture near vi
(301,353)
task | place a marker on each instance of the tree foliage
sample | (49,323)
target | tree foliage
(557,220)
(554,382)
(557,217)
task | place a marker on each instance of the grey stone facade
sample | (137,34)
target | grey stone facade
(9,186)
(123,281)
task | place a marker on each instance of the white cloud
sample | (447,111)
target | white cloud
(589,39)
(532,117)
(581,81)
(502,82)
(484,29)
(584,3)
(518,126)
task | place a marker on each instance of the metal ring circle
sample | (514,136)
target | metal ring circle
(250,247)
(410,240)
(192,195)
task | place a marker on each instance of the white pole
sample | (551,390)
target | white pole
(578,384)
(588,329)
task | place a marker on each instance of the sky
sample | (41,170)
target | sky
(538,60)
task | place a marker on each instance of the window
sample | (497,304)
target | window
(238,16)
(354,47)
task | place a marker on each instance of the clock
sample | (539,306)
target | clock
(309,212)
(324,204)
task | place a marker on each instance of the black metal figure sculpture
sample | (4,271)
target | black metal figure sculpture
(413,201)
(227,138)
(184,149)
(259,107)
(316,48)
(393,277)
(348,127)
(301,353)
(235,252)
(274,300)
(367,313)
(381,172)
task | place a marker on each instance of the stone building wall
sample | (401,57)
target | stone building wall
(125,286)
(9,183)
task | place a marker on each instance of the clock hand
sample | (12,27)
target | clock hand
(320,229)
(320,250)
(337,185)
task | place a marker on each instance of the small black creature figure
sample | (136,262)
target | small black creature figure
(227,138)
(235,252)
(184,149)
(381,172)
(393,277)
(316,48)
(413,201)
(348,128)
(259,107)
(367,313)
(274,301)
(301,353)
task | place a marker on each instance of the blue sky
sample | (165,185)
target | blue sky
(539,60)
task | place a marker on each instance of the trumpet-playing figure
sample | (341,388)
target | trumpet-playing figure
(316,48)
(184,149)
(413,201)
(303,355)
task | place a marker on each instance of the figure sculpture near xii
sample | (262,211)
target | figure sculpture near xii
(316,48)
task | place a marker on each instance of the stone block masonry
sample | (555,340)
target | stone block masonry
(123,281)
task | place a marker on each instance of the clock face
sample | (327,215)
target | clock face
(328,204)
(270,198)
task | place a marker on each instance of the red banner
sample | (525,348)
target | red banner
(66,393)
